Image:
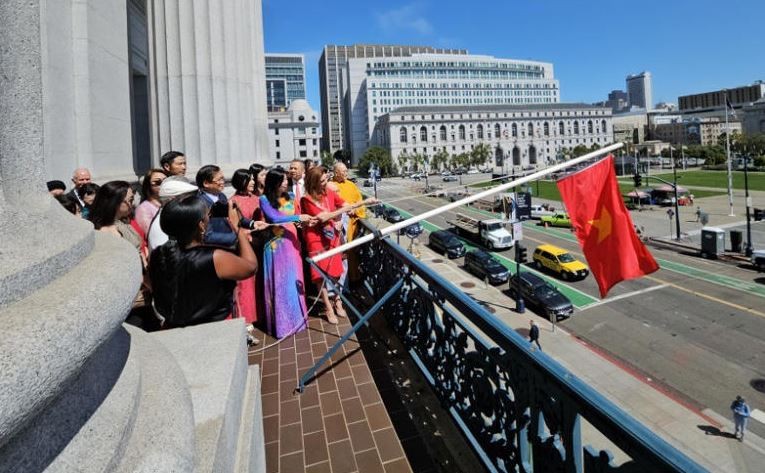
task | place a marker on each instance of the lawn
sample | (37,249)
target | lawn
(716,179)
(549,190)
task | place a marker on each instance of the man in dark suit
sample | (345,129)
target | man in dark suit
(534,334)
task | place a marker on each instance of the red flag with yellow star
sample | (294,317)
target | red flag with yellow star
(603,226)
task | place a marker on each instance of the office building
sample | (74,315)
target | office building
(294,133)
(713,103)
(704,131)
(519,135)
(618,100)
(379,86)
(754,117)
(332,63)
(640,90)
(285,80)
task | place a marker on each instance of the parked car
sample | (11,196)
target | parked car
(443,241)
(539,211)
(484,266)
(449,178)
(391,215)
(412,231)
(556,220)
(560,262)
(367,183)
(542,295)
(758,259)
(474,171)
(446,173)
(417,176)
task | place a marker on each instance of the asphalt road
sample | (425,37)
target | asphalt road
(696,326)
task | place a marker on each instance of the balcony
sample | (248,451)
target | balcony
(514,409)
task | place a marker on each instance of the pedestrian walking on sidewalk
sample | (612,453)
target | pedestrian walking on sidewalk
(534,334)
(740,416)
(698,214)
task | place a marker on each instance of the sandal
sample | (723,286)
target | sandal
(339,309)
(331,318)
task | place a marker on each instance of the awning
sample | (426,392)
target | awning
(668,188)
(638,194)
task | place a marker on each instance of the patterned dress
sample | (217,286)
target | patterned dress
(283,286)
(246,293)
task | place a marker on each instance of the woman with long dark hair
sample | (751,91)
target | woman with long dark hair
(283,286)
(323,203)
(247,201)
(112,209)
(194,283)
(150,204)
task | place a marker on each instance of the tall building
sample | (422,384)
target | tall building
(124,85)
(332,65)
(640,90)
(379,86)
(285,80)
(618,100)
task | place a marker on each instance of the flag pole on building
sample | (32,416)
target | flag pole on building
(727,153)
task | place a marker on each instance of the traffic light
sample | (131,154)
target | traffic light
(520,253)
(638,180)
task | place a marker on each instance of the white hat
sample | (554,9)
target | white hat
(174,186)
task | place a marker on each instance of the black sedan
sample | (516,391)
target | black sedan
(390,214)
(484,266)
(541,294)
(412,231)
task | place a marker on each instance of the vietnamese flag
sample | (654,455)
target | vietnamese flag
(603,226)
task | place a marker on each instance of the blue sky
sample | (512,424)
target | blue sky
(688,46)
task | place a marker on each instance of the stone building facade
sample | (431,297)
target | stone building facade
(124,85)
(519,135)
(294,133)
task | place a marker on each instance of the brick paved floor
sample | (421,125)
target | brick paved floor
(339,424)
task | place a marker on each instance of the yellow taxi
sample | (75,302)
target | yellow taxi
(559,261)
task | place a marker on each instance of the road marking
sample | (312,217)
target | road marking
(626,295)
(708,297)
(758,415)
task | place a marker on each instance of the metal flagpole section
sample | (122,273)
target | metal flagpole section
(727,152)
(439,210)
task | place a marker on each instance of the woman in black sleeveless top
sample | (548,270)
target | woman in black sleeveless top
(196,282)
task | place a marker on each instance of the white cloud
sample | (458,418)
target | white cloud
(407,17)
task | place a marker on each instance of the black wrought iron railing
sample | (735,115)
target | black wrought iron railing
(521,410)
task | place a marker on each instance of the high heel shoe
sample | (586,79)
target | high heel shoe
(331,317)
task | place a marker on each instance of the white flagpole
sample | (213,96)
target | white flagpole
(444,208)
(727,152)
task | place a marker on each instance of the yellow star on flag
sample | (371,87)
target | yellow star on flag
(603,224)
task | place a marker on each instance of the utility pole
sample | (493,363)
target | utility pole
(674,178)
(748,250)
(727,152)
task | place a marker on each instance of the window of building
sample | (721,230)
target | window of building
(276,131)
(546,129)
(603,128)
(278,155)
(561,128)
(514,130)
(576,127)
(589,126)
(479,131)
(496,130)
(301,142)
(462,132)
(402,134)
(303,153)
(442,133)
(531,129)
(423,134)
(277,143)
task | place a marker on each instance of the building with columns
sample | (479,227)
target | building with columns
(378,86)
(519,135)
(122,85)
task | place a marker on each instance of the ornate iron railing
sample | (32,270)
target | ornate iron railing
(521,410)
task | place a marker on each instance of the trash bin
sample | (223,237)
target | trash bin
(712,242)
(736,237)
(759,214)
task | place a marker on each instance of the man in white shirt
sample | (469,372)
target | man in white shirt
(297,183)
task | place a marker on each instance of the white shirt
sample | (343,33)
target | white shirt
(156,236)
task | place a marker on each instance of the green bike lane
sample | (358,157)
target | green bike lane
(579,299)
(582,300)
(674,266)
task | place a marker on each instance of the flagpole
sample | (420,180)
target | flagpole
(453,205)
(727,152)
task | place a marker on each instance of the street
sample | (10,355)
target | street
(696,327)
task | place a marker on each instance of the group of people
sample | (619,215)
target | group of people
(208,257)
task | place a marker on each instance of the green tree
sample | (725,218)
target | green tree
(403,161)
(579,150)
(440,159)
(327,160)
(342,155)
(480,154)
(380,158)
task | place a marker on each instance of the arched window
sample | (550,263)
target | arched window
(514,130)
(603,128)
(589,126)
(402,134)
(442,133)
(546,129)
(462,132)
(497,133)
(576,127)
(531,129)
(424,134)
(479,132)
(561,128)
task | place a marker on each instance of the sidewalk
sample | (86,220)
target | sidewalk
(700,435)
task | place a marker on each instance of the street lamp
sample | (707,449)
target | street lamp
(674,180)
(748,250)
